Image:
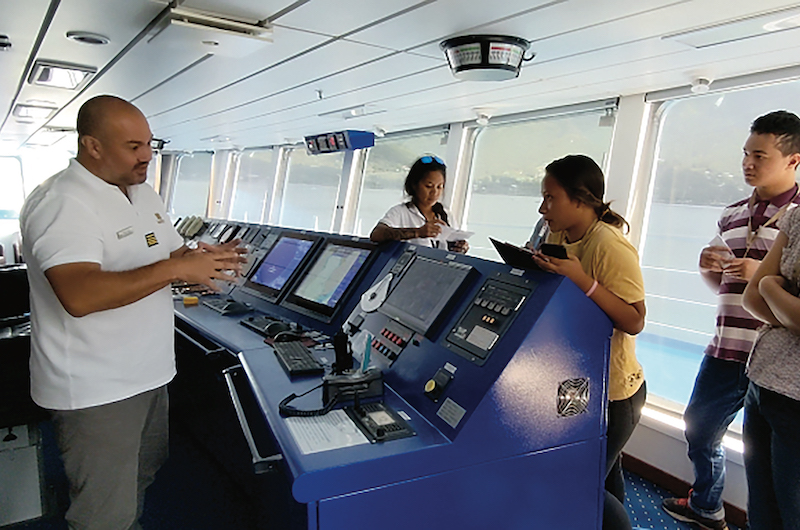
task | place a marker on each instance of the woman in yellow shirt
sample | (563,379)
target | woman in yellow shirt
(605,266)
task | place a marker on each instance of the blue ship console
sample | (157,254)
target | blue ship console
(485,400)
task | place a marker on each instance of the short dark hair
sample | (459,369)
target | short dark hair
(91,113)
(419,170)
(583,180)
(784,125)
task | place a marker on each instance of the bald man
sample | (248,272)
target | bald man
(101,254)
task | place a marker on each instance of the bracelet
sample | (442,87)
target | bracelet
(590,292)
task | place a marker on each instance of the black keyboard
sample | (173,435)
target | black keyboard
(226,307)
(296,359)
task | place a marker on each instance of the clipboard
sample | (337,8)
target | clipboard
(517,257)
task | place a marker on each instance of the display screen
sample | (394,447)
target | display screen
(423,292)
(327,280)
(280,263)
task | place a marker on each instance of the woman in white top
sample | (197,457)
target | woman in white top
(420,220)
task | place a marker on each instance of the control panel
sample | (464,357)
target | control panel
(488,316)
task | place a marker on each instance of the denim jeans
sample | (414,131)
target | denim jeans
(719,391)
(772,460)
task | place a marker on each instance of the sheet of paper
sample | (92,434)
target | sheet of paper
(450,234)
(334,430)
(718,242)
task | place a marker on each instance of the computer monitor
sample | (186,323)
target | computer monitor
(423,291)
(329,279)
(275,272)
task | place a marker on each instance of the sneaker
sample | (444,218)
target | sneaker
(680,510)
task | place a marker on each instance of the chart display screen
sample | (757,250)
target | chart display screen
(280,264)
(331,274)
(329,279)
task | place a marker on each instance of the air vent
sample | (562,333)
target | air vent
(573,397)
(209,33)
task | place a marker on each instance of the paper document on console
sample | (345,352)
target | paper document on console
(334,430)
(451,234)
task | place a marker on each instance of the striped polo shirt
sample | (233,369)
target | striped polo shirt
(736,328)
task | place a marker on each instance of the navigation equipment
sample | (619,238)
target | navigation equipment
(330,276)
(423,291)
(280,264)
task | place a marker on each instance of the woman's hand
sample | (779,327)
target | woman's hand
(570,267)
(461,246)
(430,229)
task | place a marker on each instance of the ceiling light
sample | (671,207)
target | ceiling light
(486,57)
(60,75)
(33,112)
(84,37)
(784,23)
(700,85)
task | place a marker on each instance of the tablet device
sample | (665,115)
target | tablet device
(517,257)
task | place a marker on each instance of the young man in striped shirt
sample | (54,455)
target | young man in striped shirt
(748,228)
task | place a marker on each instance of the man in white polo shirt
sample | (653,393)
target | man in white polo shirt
(101,254)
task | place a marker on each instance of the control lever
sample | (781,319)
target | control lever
(344,353)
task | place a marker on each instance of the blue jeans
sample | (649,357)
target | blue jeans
(719,391)
(772,460)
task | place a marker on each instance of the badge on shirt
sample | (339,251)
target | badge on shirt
(159,218)
(151,239)
(125,232)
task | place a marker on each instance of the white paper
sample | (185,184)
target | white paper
(334,430)
(451,234)
(718,242)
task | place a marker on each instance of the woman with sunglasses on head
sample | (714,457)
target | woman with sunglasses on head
(420,220)
(603,264)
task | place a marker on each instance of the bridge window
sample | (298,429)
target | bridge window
(11,191)
(508,167)
(312,186)
(254,182)
(697,173)
(192,184)
(387,166)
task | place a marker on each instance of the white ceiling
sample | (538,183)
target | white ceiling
(382,54)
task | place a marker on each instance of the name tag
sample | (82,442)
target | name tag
(125,232)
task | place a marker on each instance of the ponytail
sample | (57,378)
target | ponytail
(609,216)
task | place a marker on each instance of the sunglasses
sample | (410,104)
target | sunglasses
(430,159)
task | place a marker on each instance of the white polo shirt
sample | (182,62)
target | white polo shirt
(407,215)
(110,355)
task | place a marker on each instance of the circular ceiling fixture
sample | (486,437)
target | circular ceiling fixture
(84,37)
(486,57)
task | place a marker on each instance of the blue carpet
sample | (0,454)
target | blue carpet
(644,505)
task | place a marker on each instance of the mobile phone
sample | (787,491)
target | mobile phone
(554,251)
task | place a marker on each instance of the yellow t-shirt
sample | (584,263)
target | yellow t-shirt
(610,259)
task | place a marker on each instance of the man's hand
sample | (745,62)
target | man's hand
(230,246)
(204,267)
(715,259)
(742,268)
